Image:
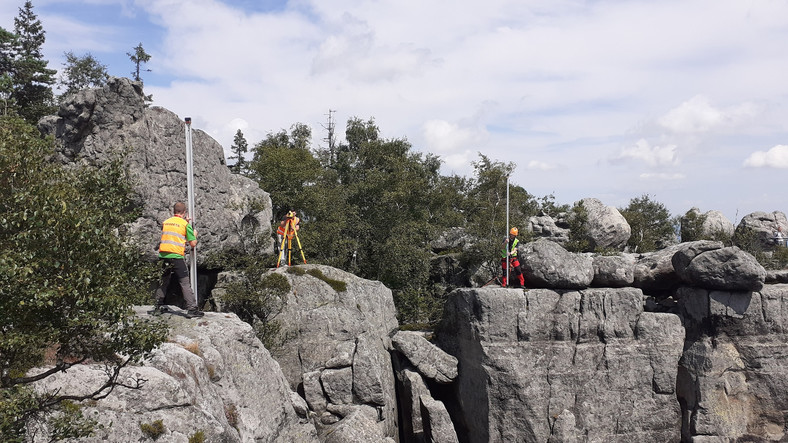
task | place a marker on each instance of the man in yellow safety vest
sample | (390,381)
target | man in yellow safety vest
(509,258)
(176,232)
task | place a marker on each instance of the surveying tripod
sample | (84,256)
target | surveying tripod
(288,239)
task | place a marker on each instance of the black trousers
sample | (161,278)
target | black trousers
(175,267)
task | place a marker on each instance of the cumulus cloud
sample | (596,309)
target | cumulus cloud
(777,157)
(651,155)
(697,115)
(445,137)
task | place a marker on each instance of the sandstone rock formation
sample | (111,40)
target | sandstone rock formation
(96,126)
(525,358)
(213,376)
(605,227)
(547,265)
(760,226)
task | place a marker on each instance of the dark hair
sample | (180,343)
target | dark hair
(179,208)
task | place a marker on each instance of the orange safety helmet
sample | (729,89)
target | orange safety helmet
(514,231)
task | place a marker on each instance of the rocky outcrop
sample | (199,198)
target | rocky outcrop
(591,357)
(759,227)
(213,375)
(96,126)
(605,227)
(337,350)
(544,226)
(731,379)
(430,360)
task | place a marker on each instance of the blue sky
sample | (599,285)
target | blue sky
(684,100)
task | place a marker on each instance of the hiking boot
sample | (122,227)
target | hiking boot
(193,313)
(158,310)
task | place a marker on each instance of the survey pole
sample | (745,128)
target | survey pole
(190,196)
(508,259)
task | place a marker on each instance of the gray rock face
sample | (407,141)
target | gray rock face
(431,361)
(526,358)
(548,265)
(438,427)
(715,223)
(338,348)
(606,227)
(654,271)
(613,271)
(214,376)
(543,226)
(98,125)
(731,269)
(760,227)
(732,384)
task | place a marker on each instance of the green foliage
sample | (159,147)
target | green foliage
(69,422)
(81,73)
(691,225)
(578,231)
(138,57)
(29,80)
(197,437)
(153,430)
(336,285)
(239,148)
(651,224)
(67,281)
(256,298)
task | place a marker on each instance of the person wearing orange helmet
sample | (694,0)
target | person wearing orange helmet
(287,228)
(509,257)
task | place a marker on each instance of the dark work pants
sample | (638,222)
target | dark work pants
(175,267)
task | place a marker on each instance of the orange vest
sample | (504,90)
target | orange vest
(293,223)
(173,236)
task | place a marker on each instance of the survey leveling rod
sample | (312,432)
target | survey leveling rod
(508,260)
(190,196)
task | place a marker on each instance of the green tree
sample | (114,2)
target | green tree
(138,57)
(31,79)
(651,224)
(239,148)
(67,280)
(8,48)
(82,72)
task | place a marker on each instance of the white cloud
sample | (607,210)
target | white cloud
(539,166)
(696,115)
(662,176)
(444,137)
(776,157)
(651,155)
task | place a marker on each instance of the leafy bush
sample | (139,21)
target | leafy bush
(153,430)
(256,299)
(197,437)
(67,281)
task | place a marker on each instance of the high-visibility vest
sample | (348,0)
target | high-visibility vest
(293,223)
(173,236)
(512,246)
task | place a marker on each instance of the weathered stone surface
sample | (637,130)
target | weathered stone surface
(613,271)
(654,270)
(761,226)
(564,428)
(778,276)
(338,385)
(211,366)
(731,384)
(324,327)
(313,391)
(438,427)
(728,269)
(547,264)
(543,226)
(358,426)
(96,126)
(716,223)
(431,361)
(524,358)
(605,227)
(410,386)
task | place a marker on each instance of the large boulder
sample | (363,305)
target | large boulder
(605,227)
(527,358)
(543,226)
(431,361)
(337,349)
(758,228)
(213,375)
(614,271)
(715,224)
(97,126)
(548,265)
(705,265)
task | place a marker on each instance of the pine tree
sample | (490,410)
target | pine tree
(8,49)
(82,72)
(31,79)
(138,57)
(239,147)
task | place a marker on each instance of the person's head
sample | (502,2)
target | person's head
(179,208)
(513,232)
(291,214)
